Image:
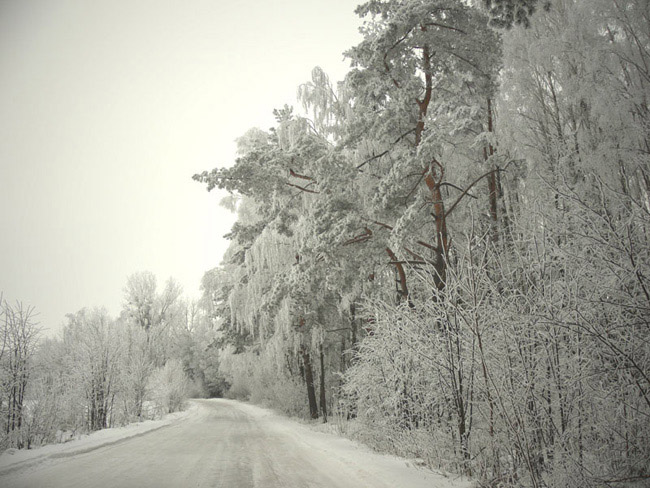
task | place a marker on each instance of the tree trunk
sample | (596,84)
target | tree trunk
(323,399)
(402,291)
(439,214)
(309,379)
(353,328)
(488,153)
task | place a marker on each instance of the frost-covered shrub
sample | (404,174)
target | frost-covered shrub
(43,414)
(531,367)
(396,387)
(258,378)
(280,392)
(237,369)
(168,387)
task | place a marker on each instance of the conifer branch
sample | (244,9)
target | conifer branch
(443,26)
(302,188)
(377,156)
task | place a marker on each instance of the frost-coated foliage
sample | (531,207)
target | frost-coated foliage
(539,361)
(169,385)
(450,251)
(260,379)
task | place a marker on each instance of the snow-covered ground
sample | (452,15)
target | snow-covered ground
(350,458)
(218,443)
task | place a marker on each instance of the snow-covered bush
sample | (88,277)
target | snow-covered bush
(258,378)
(531,367)
(410,382)
(237,369)
(168,387)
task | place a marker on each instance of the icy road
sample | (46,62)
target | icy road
(228,444)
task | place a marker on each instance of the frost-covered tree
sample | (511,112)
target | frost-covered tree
(19,335)
(92,352)
(506,13)
(421,82)
(142,303)
(277,257)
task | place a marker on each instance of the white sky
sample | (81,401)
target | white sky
(107,109)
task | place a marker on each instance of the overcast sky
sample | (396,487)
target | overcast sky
(107,109)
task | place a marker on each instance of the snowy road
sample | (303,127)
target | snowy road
(228,444)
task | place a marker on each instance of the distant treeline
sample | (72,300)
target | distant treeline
(103,372)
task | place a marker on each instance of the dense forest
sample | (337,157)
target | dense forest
(449,248)
(447,254)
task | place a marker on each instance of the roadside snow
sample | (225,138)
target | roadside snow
(13,459)
(358,458)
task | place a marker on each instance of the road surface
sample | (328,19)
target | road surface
(228,444)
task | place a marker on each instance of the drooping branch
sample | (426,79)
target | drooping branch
(385,59)
(367,234)
(383,153)
(390,227)
(298,175)
(465,192)
(417,183)
(415,255)
(472,64)
(302,188)
(446,183)
(443,26)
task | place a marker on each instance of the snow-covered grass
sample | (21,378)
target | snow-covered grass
(14,459)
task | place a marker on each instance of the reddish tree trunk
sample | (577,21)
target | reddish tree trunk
(442,237)
(432,179)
